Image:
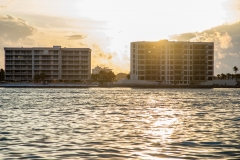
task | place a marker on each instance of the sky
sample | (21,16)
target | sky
(109,26)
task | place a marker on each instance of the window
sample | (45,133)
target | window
(210,73)
(141,57)
(141,77)
(154,62)
(147,62)
(36,52)
(210,63)
(55,52)
(141,67)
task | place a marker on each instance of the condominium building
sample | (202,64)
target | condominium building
(170,62)
(66,64)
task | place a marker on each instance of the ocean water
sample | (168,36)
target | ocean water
(119,123)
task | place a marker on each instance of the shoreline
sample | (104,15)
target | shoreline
(26,85)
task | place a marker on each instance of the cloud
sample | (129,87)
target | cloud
(183,37)
(76,37)
(6,4)
(12,28)
(99,54)
(112,60)
(226,40)
(232,5)
(14,32)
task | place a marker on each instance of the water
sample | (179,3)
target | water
(119,123)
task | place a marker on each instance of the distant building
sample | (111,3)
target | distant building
(97,69)
(169,62)
(67,64)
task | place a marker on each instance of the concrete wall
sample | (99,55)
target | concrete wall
(144,82)
(135,82)
(220,82)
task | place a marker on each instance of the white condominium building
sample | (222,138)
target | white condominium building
(170,62)
(66,64)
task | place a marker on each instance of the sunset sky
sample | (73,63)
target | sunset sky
(108,26)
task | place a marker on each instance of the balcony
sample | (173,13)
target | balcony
(19,73)
(24,68)
(67,63)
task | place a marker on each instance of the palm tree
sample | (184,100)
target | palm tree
(223,76)
(235,69)
(218,76)
(228,75)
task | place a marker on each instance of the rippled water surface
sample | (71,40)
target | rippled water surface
(119,123)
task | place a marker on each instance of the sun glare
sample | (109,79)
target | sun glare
(152,20)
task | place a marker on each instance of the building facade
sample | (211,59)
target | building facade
(170,62)
(66,64)
(97,69)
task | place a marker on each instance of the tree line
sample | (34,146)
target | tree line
(229,75)
(103,76)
